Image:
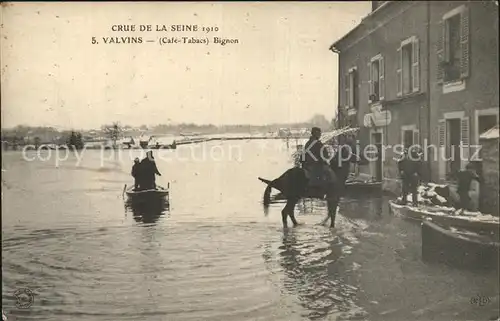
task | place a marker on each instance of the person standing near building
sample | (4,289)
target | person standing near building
(464,180)
(410,172)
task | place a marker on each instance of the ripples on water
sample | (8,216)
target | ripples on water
(186,272)
(212,254)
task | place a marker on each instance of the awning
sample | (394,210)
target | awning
(491,133)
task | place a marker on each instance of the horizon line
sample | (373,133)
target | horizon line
(59,127)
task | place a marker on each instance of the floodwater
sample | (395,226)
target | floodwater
(215,254)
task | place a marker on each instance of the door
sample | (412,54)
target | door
(377,141)
(453,149)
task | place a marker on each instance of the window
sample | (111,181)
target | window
(407,53)
(351,89)
(453,46)
(452,49)
(410,136)
(486,122)
(408,70)
(377,81)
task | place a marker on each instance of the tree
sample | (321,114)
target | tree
(113,131)
(320,121)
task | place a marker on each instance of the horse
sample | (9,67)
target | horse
(294,185)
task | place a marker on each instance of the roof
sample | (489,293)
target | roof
(369,16)
(491,133)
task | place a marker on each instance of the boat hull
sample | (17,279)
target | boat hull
(148,195)
(446,219)
(460,249)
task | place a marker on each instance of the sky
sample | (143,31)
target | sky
(281,69)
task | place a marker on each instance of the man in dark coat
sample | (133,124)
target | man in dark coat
(410,171)
(136,174)
(315,160)
(465,179)
(149,170)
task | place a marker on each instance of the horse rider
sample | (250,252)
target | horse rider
(410,172)
(148,171)
(315,160)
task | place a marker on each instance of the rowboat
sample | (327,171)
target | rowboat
(446,216)
(159,193)
(458,247)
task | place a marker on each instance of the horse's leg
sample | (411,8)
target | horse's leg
(288,211)
(284,214)
(293,202)
(332,199)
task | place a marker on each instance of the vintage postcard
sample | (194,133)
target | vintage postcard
(250,160)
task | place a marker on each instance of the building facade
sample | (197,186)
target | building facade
(405,84)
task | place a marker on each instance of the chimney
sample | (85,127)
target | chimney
(374,5)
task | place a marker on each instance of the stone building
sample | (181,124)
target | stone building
(406,84)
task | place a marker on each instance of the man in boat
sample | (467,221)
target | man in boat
(136,173)
(409,169)
(464,180)
(148,171)
(315,160)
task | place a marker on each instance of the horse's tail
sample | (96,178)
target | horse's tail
(266,181)
(267,195)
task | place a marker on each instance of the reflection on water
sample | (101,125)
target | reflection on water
(311,259)
(374,206)
(312,274)
(147,212)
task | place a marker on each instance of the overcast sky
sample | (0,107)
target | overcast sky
(281,70)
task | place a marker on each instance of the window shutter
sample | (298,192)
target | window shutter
(399,73)
(442,132)
(355,88)
(442,149)
(416,65)
(465,140)
(464,43)
(464,132)
(381,82)
(370,82)
(346,89)
(440,53)
(351,88)
(446,37)
(416,137)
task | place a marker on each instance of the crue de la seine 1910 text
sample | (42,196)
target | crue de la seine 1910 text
(200,38)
